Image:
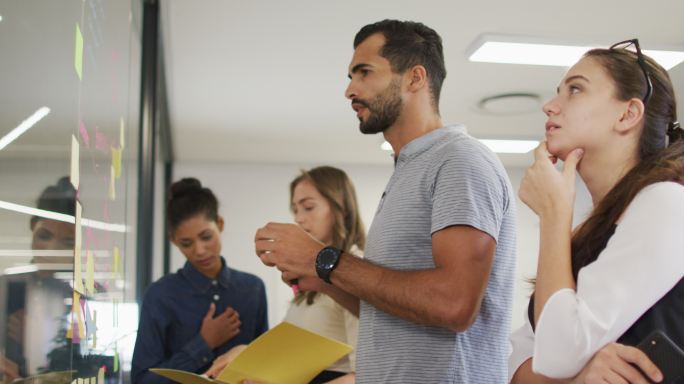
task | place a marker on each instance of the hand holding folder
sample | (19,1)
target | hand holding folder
(286,354)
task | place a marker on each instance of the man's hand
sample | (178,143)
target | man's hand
(615,363)
(307,284)
(217,330)
(289,248)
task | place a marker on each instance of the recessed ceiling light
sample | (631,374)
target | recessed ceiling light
(498,146)
(490,48)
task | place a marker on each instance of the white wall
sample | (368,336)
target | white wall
(251,195)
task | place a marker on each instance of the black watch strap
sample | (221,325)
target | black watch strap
(327,261)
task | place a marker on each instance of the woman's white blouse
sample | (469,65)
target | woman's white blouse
(642,261)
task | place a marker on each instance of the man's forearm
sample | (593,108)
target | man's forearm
(416,296)
(343,298)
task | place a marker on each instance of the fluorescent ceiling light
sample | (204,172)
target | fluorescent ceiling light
(520,50)
(498,146)
(20,269)
(23,127)
(62,217)
(510,146)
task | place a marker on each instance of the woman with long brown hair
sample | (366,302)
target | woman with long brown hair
(606,285)
(323,202)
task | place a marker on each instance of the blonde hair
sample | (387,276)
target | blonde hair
(337,189)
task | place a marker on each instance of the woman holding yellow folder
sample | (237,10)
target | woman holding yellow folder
(323,201)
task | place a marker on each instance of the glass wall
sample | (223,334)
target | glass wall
(69,101)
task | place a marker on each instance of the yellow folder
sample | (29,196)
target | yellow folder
(286,354)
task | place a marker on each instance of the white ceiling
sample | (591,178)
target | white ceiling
(263,81)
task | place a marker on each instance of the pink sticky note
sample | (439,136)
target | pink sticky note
(85,137)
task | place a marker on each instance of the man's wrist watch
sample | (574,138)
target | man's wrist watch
(326,261)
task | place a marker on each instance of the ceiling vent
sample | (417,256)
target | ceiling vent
(510,104)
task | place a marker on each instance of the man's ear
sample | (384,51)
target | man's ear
(631,116)
(416,78)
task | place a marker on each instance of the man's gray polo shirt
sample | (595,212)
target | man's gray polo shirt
(441,179)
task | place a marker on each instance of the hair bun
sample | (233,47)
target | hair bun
(185,186)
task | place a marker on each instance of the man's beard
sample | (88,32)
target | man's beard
(384,109)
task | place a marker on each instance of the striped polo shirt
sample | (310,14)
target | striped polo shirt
(441,179)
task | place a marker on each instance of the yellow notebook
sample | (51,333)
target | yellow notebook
(286,354)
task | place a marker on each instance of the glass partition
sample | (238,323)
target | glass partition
(69,101)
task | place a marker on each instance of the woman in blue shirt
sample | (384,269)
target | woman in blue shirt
(205,308)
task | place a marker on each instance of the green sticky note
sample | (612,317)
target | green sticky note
(78,56)
(116,362)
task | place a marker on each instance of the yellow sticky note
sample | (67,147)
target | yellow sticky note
(112,184)
(95,331)
(116,362)
(70,331)
(78,56)
(78,281)
(116,256)
(81,322)
(100,376)
(76,316)
(74,177)
(116,161)
(90,272)
(121,132)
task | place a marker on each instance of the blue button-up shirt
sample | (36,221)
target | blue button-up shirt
(172,313)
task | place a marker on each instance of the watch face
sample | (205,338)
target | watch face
(326,261)
(328,258)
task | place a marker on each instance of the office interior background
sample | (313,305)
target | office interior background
(124,97)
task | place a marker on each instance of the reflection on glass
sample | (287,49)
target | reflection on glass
(69,74)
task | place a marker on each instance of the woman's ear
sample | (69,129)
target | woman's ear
(632,116)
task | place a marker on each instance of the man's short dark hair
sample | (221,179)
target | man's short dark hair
(409,43)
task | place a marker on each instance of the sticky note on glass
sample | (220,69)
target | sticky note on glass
(112,183)
(78,55)
(78,282)
(121,132)
(116,259)
(74,177)
(116,161)
(77,322)
(90,272)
